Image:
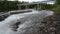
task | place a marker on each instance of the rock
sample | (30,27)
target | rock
(51,25)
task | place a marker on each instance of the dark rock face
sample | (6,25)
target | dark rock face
(52,25)
(15,26)
(3,17)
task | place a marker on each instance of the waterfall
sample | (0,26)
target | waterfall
(24,23)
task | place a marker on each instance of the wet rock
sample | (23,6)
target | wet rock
(3,17)
(15,26)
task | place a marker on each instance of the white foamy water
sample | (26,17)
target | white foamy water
(29,22)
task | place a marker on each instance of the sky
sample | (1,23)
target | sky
(35,1)
(28,0)
(32,0)
(38,0)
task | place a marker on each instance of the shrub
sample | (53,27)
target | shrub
(57,9)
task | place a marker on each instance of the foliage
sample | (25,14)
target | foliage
(57,2)
(9,5)
(12,5)
(46,6)
(57,7)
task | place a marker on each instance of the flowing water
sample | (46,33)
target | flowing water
(24,23)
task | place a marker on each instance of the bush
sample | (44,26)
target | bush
(57,9)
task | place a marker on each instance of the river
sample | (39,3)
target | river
(24,23)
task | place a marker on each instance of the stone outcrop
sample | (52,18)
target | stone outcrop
(51,25)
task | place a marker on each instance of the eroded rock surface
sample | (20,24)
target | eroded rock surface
(51,25)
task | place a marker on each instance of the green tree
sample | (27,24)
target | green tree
(57,7)
(8,5)
(57,2)
(5,0)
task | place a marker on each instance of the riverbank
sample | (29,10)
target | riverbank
(51,25)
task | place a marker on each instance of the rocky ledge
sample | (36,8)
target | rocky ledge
(51,25)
